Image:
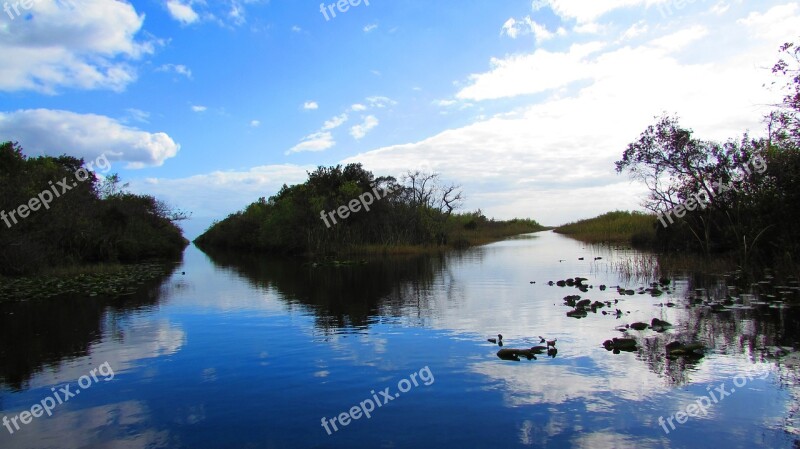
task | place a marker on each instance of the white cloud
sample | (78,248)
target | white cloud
(536,5)
(63,45)
(198,108)
(720,8)
(182,12)
(510,28)
(680,39)
(335,122)
(514,28)
(590,28)
(322,139)
(179,69)
(55,132)
(370,27)
(530,73)
(222,13)
(635,30)
(584,11)
(779,24)
(223,191)
(552,156)
(310,105)
(138,115)
(360,131)
(445,103)
(319,141)
(553,159)
(255,123)
(237,13)
(296,29)
(380,102)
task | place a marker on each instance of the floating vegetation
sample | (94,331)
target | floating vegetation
(118,281)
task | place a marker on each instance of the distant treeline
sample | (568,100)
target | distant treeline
(301,219)
(56,213)
(740,196)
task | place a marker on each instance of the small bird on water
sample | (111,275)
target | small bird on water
(496,340)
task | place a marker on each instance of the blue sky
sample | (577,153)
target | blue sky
(210,105)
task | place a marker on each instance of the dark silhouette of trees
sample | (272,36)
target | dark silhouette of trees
(739,196)
(419,211)
(91,222)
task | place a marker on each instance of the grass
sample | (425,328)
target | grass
(635,228)
(462,232)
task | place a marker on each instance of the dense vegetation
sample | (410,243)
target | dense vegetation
(740,196)
(86,221)
(419,212)
(616,227)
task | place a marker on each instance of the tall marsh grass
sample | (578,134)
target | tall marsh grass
(636,228)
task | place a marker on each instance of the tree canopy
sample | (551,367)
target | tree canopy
(86,221)
(740,195)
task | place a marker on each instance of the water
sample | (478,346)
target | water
(249,352)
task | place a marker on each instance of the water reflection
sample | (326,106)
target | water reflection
(41,335)
(50,344)
(503,288)
(250,351)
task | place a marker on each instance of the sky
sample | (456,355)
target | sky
(209,105)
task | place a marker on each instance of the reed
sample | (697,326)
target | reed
(635,228)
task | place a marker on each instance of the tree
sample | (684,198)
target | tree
(788,66)
(678,169)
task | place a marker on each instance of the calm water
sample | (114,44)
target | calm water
(245,352)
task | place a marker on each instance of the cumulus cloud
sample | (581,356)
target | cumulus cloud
(86,46)
(55,132)
(182,12)
(223,191)
(530,73)
(310,105)
(514,28)
(360,131)
(199,108)
(584,11)
(556,153)
(334,122)
(319,141)
(323,139)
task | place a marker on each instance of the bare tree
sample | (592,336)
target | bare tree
(425,190)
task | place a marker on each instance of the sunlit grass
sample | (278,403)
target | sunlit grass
(613,227)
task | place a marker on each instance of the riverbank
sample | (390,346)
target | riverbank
(461,240)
